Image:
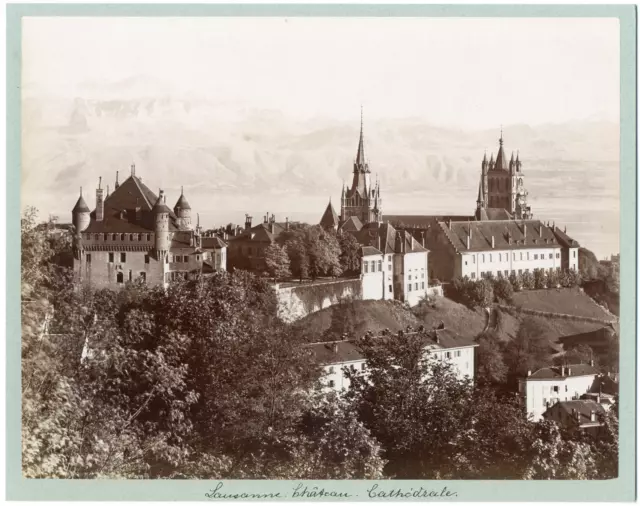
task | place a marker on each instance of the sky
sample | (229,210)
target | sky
(465,72)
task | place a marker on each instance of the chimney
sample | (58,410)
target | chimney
(423,240)
(286,223)
(562,370)
(133,169)
(568,371)
(107,192)
(468,242)
(117,183)
(470,231)
(99,201)
(593,416)
(272,227)
(540,231)
(591,363)
(524,230)
(529,372)
(449,223)
(565,229)
(272,219)
(265,218)
(493,242)
(247,221)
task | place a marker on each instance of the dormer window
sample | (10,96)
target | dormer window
(123,237)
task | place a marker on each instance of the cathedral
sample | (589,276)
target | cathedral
(361,203)
(501,190)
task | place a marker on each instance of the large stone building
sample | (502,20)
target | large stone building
(132,234)
(477,249)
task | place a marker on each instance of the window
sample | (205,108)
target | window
(146,259)
(409,277)
(483,258)
(122,237)
(114,237)
(447,354)
(473,275)
(574,254)
(96,237)
(458,353)
(416,286)
(557,255)
(198,258)
(535,257)
(110,258)
(148,237)
(514,256)
(409,286)
(88,258)
(526,270)
(390,288)
(465,262)
(143,276)
(380,265)
(566,388)
(130,275)
(131,237)
(389,258)
(519,271)
(555,388)
(473,258)
(120,278)
(527,255)
(390,268)
(490,258)
(506,274)
(331,370)
(373,266)
(482,274)
(364,366)
(542,256)
(366,267)
(332,383)
(123,257)
(499,257)
(166,259)
(521,255)
(422,285)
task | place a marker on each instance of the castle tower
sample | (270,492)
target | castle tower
(360,200)
(182,210)
(161,216)
(80,215)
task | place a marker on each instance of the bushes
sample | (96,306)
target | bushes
(539,279)
(503,289)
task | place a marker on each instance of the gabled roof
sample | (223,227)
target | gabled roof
(369,233)
(421,221)
(411,245)
(369,251)
(353,224)
(583,408)
(335,352)
(329,218)
(564,239)
(81,206)
(494,213)
(261,233)
(570,371)
(213,243)
(182,239)
(507,234)
(120,210)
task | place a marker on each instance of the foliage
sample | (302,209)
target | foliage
(277,261)
(516,281)
(349,253)
(580,354)
(491,369)
(553,279)
(539,279)
(343,319)
(503,289)
(528,281)
(528,351)
(473,293)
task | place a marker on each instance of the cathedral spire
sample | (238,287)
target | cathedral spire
(360,162)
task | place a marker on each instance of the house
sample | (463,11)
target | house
(247,249)
(549,385)
(371,273)
(133,235)
(336,357)
(214,253)
(581,414)
(404,262)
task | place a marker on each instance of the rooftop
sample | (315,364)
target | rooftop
(563,372)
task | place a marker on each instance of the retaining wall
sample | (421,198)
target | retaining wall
(547,314)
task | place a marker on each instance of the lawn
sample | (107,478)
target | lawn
(561,300)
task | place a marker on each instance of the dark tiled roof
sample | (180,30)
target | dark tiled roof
(604,384)
(446,339)
(329,218)
(213,243)
(335,352)
(369,251)
(421,221)
(120,210)
(182,203)
(81,206)
(387,239)
(353,224)
(538,235)
(570,371)
(261,233)
(581,406)
(564,239)
(410,243)
(182,239)
(598,338)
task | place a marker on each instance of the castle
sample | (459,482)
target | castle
(133,235)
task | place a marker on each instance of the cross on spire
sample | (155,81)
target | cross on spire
(501,135)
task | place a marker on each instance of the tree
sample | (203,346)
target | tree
(343,321)
(528,281)
(480,293)
(553,279)
(297,252)
(349,253)
(323,251)
(491,369)
(516,281)
(539,279)
(277,261)
(529,350)
(503,290)
(581,354)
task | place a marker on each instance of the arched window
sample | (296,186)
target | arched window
(96,237)
(114,237)
(131,238)
(123,236)
(139,237)
(120,277)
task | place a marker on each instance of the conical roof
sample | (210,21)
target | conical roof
(160,206)
(182,203)
(81,206)
(329,218)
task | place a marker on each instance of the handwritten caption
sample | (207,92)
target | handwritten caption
(302,491)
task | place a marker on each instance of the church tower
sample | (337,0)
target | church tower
(502,185)
(362,200)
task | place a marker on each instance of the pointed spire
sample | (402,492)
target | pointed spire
(501,135)
(512,156)
(360,161)
(484,159)
(480,196)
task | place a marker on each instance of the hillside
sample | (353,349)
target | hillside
(562,300)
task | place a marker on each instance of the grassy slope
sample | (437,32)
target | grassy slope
(378,315)
(562,300)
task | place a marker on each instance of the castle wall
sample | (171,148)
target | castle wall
(295,302)
(99,272)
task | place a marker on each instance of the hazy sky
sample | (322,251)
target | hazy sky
(463,71)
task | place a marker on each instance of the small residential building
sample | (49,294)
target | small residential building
(404,262)
(372,273)
(246,250)
(580,414)
(336,356)
(214,253)
(550,385)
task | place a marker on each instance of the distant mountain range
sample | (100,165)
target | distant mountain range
(231,159)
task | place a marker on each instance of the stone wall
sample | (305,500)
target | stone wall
(297,301)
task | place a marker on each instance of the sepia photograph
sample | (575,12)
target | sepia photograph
(320,248)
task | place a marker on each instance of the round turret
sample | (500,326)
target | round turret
(161,214)
(80,215)
(183,211)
